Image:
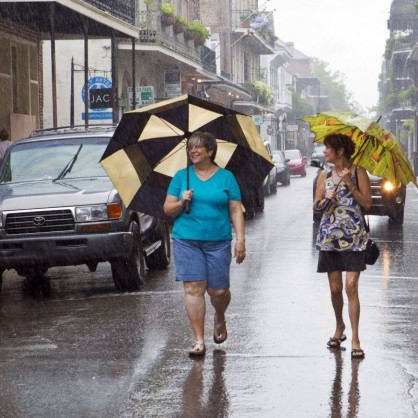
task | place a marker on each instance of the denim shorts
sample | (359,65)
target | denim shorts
(203,260)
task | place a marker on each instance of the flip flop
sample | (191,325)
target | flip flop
(335,342)
(220,333)
(357,353)
(198,349)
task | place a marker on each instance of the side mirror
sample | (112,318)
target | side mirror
(287,160)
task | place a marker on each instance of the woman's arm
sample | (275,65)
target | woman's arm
(237,218)
(319,198)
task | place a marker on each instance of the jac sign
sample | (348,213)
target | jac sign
(100,98)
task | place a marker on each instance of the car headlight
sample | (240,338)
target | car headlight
(96,213)
(388,186)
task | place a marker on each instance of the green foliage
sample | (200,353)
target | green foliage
(199,28)
(333,85)
(166,8)
(408,94)
(182,20)
(300,107)
(261,90)
(391,99)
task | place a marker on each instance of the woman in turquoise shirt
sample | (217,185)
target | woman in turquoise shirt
(202,237)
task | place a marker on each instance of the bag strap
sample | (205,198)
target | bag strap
(365,220)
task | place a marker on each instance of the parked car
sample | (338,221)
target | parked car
(318,152)
(59,208)
(283,173)
(388,199)
(270,182)
(297,163)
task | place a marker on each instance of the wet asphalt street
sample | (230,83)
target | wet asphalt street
(89,351)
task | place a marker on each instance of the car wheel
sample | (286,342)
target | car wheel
(273,187)
(398,218)
(92,266)
(35,284)
(260,201)
(128,273)
(303,174)
(1,277)
(160,258)
(266,189)
(287,181)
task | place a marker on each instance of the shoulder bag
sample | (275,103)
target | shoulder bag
(372,250)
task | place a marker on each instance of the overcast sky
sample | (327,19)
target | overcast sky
(349,35)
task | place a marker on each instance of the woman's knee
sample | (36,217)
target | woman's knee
(197,288)
(219,293)
(351,287)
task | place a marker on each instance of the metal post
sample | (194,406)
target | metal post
(53,67)
(86,75)
(72,93)
(133,75)
(114,49)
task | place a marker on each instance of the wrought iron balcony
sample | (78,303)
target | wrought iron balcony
(123,9)
(153,30)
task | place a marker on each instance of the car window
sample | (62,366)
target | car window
(278,156)
(293,154)
(47,159)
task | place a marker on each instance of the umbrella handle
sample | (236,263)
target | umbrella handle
(187,206)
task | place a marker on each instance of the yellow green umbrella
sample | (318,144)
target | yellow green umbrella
(376,149)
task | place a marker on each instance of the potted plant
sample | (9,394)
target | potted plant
(201,32)
(179,25)
(167,14)
(189,33)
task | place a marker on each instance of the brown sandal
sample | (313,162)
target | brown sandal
(197,349)
(220,333)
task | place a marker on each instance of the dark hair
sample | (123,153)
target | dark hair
(204,139)
(4,135)
(338,141)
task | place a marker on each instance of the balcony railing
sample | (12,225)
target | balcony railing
(123,9)
(151,30)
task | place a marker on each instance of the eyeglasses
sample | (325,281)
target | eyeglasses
(192,147)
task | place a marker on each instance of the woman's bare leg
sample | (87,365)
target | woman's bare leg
(194,302)
(336,287)
(351,288)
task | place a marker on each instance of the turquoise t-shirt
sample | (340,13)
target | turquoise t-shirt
(209,218)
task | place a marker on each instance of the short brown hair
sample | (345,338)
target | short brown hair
(338,141)
(205,139)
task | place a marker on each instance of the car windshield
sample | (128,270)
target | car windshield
(278,156)
(46,160)
(293,154)
(318,149)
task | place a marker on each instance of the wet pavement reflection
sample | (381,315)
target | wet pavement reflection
(90,351)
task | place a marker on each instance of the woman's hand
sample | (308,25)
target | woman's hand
(187,195)
(330,194)
(239,251)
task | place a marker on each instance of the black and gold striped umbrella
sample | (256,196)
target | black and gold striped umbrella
(149,147)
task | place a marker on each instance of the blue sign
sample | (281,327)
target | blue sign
(97,83)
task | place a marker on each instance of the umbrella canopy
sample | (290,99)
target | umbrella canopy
(376,149)
(149,147)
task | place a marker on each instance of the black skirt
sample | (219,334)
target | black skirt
(341,261)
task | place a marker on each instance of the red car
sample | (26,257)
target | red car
(297,163)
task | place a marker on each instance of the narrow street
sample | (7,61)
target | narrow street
(89,351)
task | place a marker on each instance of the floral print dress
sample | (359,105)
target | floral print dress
(342,224)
